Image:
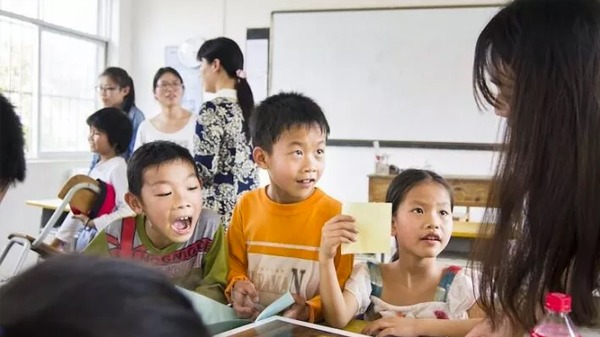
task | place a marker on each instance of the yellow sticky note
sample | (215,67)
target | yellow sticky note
(374,223)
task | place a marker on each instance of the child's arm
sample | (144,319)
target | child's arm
(401,326)
(214,278)
(118,179)
(338,307)
(240,290)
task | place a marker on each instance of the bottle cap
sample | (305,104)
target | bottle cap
(558,302)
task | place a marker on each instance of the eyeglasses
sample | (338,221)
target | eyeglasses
(167,85)
(110,89)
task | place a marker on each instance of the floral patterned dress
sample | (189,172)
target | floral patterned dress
(223,154)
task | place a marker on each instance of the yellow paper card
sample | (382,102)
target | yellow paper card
(374,223)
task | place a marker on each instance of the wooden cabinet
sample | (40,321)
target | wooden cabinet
(470,191)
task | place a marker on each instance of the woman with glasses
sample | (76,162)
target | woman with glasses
(116,90)
(173,123)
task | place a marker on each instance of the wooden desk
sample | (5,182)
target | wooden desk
(48,207)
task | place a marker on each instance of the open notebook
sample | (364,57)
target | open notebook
(219,317)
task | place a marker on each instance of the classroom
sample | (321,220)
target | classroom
(394,80)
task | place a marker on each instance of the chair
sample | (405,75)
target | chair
(80,192)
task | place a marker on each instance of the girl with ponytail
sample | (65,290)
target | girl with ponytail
(222,148)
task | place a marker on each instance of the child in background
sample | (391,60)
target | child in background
(116,90)
(412,295)
(275,231)
(110,133)
(74,295)
(173,123)
(171,231)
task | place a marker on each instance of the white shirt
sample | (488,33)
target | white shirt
(113,172)
(185,136)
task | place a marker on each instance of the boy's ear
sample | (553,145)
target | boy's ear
(260,157)
(393,227)
(134,203)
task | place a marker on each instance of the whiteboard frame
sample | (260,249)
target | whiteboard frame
(386,142)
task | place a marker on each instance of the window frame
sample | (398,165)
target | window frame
(101,40)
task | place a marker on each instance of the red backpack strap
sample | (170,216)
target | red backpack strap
(127,237)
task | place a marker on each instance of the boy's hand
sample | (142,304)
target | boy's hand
(299,310)
(340,229)
(244,298)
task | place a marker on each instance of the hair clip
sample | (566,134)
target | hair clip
(240,73)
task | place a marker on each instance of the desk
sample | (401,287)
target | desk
(281,326)
(48,207)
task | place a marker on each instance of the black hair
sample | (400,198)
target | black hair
(164,70)
(84,296)
(544,56)
(405,181)
(115,124)
(123,80)
(12,146)
(154,154)
(231,58)
(279,113)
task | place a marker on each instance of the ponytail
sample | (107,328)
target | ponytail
(246,101)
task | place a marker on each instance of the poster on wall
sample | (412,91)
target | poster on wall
(192,96)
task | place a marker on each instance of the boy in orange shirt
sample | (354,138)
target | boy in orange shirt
(275,231)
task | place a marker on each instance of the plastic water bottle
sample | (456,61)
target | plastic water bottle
(556,322)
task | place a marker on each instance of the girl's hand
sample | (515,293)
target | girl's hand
(392,326)
(340,229)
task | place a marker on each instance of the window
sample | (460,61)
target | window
(49,63)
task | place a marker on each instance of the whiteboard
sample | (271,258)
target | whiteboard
(386,74)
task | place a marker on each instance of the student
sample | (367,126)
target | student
(81,296)
(12,147)
(116,90)
(173,123)
(412,295)
(171,231)
(538,64)
(110,132)
(275,231)
(223,152)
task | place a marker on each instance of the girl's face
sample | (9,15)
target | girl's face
(422,223)
(99,143)
(169,90)
(208,73)
(111,94)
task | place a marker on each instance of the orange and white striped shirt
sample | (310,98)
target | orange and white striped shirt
(276,246)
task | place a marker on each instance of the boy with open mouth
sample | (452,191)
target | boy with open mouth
(171,231)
